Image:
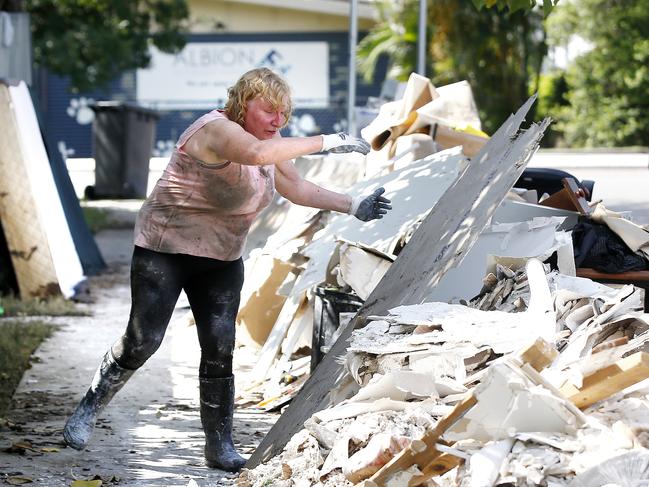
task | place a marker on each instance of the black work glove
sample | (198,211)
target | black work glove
(371,207)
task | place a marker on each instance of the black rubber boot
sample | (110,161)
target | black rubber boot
(109,378)
(217,407)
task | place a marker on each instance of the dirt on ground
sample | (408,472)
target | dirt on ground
(150,434)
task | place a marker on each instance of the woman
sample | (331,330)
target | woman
(190,235)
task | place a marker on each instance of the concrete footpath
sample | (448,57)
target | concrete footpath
(150,434)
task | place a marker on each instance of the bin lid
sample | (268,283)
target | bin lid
(100,106)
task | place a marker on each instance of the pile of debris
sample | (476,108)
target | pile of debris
(309,253)
(515,378)
(460,394)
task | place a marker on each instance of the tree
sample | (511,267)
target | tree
(498,52)
(394,35)
(516,5)
(92,41)
(608,86)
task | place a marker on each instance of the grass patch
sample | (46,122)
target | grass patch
(58,306)
(18,340)
(97,218)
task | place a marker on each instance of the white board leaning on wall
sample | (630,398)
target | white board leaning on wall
(43,188)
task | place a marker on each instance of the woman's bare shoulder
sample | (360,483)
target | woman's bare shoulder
(203,144)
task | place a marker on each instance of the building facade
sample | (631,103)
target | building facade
(307,41)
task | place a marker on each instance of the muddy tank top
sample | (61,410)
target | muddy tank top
(203,209)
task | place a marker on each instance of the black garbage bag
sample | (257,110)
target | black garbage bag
(598,247)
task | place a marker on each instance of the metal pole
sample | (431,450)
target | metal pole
(421,39)
(353,39)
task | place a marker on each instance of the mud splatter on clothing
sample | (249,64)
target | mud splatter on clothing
(203,209)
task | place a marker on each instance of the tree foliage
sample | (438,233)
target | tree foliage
(608,86)
(394,35)
(499,53)
(92,41)
(516,5)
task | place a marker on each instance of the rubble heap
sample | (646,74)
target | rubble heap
(471,393)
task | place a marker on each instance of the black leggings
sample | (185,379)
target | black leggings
(213,289)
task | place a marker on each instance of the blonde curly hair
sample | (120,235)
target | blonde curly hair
(259,82)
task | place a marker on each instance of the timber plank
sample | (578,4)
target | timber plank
(430,460)
(539,354)
(609,380)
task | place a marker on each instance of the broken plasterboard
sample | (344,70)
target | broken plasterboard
(274,341)
(454,107)
(511,211)
(534,238)
(361,268)
(461,324)
(413,190)
(439,243)
(634,236)
(282,220)
(408,149)
(511,402)
(399,385)
(627,300)
(395,117)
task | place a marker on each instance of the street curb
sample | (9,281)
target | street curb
(588,159)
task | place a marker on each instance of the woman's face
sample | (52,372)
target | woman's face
(262,120)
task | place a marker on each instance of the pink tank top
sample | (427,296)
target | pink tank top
(203,209)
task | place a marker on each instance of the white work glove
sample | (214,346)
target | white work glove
(342,143)
(371,207)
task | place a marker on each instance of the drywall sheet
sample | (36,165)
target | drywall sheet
(532,238)
(394,118)
(511,402)
(511,211)
(261,302)
(66,260)
(634,236)
(440,242)
(43,227)
(336,172)
(413,190)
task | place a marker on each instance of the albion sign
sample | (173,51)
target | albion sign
(215,57)
(199,76)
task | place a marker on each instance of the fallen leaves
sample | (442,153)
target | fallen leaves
(19,480)
(23,446)
(95,481)
(86,483)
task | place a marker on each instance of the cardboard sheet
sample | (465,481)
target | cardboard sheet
(396,117)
